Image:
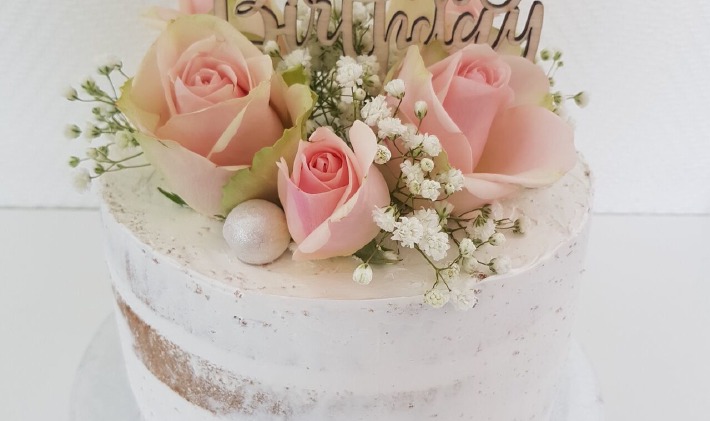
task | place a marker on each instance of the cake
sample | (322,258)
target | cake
(342,211)
(207,337)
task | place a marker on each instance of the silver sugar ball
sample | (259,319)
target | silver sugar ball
(256,231)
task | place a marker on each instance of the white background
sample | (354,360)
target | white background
(644,310)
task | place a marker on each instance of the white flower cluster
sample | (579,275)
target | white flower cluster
(297,57)
(356,76)
(422,229)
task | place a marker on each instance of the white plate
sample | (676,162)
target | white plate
(101,390)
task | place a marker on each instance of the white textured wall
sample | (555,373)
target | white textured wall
(645,62)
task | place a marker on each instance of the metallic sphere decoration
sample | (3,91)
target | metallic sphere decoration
(256,231)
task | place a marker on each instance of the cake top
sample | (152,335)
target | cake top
(379,139)
(192,241)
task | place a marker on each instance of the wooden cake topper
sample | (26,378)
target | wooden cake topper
(400,28)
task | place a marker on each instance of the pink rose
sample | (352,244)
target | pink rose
(252,27)
(205,100)
(331,192)
(486,109)
(193,7)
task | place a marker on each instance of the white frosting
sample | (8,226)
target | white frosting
(302,341)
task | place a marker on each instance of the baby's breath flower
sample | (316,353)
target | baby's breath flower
(271,48)
(72,131)
(495,210)
(497,239)
(391,127)
(71,94)
(360,13)
(429,219)
(383,155)
(500,265)
(363,274)
(451,273)
(373,81)
(481,230)
(412,139)
(82,180)
(395,88)
(375,110)
(427,164)
(88,84)
(408,231)
(545,54)
(369,64)
(412,171)
(452,180)
(467,248)
(581,99)
(359,94)
(124,139)
(521,225)
(92,153)
(444,209)
(431,145)
(74,161)
(435,245)
(107,64)
(297,57)
(91,131)
(414,186)
(463,301)
(430,190)
(385,218)
(472,266)
(436,298)
(421,109)
(349,73)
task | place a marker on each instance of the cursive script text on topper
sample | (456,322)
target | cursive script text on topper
(400,28)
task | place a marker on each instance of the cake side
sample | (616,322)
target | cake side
(211,346)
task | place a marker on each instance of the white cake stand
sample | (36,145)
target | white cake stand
(101,390)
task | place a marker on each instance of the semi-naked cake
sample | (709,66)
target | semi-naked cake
(208,338)
(340,210)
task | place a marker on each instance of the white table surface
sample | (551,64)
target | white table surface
(644,316)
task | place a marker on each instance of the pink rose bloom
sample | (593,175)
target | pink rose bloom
(252,26)
(204,101)
(486,109)
(193,7)
(331,192)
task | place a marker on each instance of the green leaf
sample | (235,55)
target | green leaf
(296,75)
(173,197)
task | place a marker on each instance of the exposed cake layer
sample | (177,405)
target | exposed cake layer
(209,338)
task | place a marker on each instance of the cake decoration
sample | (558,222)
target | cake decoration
(355,129)
(256,231)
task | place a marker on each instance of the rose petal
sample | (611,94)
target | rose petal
(528,147)
(364,144)
(195,179)
(255,127)
(529,82)
(304,211)
(196,6)
(418,81)
(351,226)
(191,131)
